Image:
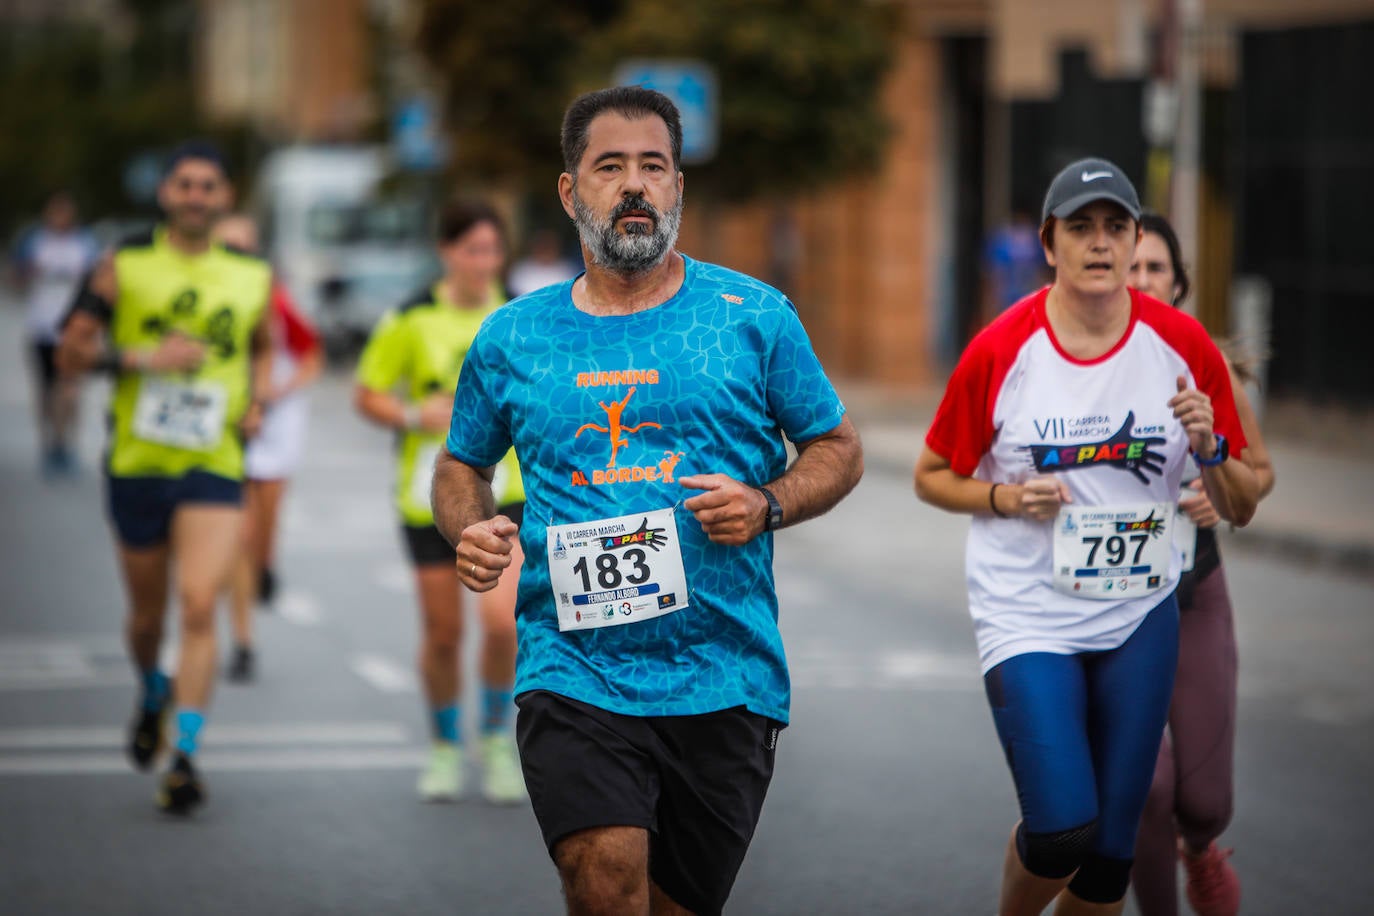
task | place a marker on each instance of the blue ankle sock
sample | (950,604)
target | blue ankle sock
(445,724)
(496,703)
(156,687)
(189,722)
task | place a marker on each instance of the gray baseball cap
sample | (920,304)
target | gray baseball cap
(1087,180)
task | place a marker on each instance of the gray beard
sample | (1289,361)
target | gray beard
(635,251)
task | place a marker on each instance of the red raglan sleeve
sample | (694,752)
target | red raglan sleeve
(962,430)
(301,336)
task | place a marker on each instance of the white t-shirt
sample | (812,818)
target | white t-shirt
(57,261)
(1017,407)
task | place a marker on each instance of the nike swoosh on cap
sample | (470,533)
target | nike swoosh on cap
(1093,176)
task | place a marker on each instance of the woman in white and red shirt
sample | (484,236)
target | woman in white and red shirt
(273,455)
(1065,430)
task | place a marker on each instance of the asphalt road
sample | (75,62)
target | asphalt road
(890,794)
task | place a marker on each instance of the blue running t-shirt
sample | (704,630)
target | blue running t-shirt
(605,414)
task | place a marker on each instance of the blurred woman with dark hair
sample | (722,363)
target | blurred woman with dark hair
(405,382)
(1190,799)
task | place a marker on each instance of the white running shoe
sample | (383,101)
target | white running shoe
(502,782)
(442,778)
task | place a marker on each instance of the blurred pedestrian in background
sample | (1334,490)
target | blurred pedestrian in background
(543,265)
(49,263)
(405,382)
(1190,800)
(182,323)
(273,455)
(1013,264)
(1066,430)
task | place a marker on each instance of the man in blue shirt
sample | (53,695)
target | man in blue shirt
(647,401)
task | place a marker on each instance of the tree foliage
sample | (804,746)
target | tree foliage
(79,106)
(799,81)
(506,69)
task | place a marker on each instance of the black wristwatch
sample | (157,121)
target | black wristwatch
(1222,453)
(773,521)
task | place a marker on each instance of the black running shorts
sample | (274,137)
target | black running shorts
(696,783)
(427,547)
(45,364)
(141,508)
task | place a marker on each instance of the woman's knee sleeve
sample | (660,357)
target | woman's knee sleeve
(1057,854)
(1101,880)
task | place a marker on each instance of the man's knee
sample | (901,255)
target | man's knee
(197,607)
(441,642)
(603,869)
(1055,854)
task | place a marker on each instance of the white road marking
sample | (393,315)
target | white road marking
(299,608)
(913,669)
(384,674)
(395,577)
(36,663)
(305,760)
(281,746)
(297,734)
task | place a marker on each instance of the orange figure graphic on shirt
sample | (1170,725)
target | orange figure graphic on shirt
(670,460)
(613,427)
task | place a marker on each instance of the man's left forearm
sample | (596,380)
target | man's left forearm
(460,496)
(826,469)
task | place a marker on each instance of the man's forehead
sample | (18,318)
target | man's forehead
(612,131)
(199,169)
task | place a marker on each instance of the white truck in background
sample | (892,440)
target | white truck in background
(347,239)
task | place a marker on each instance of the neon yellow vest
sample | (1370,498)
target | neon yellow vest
(419,348)
(164,425)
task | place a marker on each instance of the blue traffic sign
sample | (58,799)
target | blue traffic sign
(415,135)
(691,84)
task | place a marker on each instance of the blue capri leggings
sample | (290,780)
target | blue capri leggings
(1081,732)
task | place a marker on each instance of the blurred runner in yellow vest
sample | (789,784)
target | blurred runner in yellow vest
(406,378)
(179,321)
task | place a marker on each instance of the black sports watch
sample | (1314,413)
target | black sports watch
(1222,453)
(773,521)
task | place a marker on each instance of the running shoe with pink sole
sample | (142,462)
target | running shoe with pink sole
(1213,887)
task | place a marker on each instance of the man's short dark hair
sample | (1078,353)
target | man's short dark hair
(459,216)
(630,101)
(196,149)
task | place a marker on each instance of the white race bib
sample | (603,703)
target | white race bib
(1185,532)
(422,475)
(182,414)
(1111,552)
(422,471)
(615,571)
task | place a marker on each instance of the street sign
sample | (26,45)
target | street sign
(415,135)
(691,84)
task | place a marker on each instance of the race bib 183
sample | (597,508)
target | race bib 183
(615,571)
